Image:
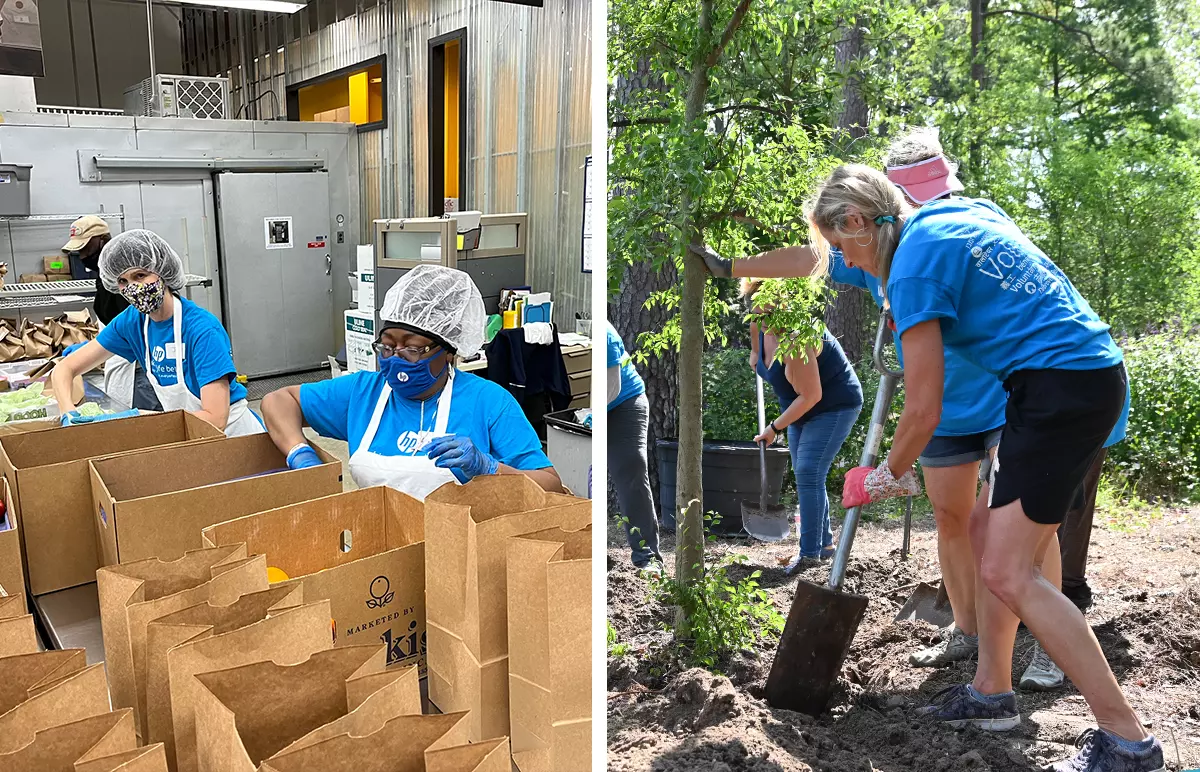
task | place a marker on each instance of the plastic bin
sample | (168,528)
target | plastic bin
(569,446)
(14,189)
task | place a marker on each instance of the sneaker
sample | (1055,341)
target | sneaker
(1099,752)
(955,646)
(1042,675)
(958,708)
(1080,595)
(652,570)
(827,553)
(799,564)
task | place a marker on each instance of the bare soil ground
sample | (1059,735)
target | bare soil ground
(667,718)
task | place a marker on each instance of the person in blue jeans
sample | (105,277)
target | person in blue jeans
(819,398)
(629,456)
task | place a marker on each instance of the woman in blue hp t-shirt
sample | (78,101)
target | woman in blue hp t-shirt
(819,399)
(959,273)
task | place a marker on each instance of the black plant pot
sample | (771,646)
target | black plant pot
(731,475)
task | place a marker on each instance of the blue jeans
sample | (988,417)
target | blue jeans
(813,443)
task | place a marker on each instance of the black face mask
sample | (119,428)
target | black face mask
(91,262)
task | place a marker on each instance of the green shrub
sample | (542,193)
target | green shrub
(730,407)
(1160,457)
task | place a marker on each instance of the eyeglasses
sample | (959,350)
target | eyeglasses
(411,353)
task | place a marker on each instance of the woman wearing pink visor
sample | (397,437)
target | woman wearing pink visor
(972,415)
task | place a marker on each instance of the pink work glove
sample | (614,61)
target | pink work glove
(865,485)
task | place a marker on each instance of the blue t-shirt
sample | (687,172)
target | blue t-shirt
(840,389)
(1118,432)
(972,400)
(207,352)
(1002,304)
(631,383)
(341,409)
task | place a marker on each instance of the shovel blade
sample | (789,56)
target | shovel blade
(928,603)
(815,641)
(771,524)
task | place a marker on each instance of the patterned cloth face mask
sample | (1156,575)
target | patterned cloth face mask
(146,298)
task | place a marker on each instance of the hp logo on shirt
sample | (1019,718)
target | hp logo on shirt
(159,354)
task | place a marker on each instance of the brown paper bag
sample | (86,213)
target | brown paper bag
(247,714)
(134,593)
(17,633)
(152,758)
(37,343)
(467,528)
(203,620)
(286,638)
(404,744)
(46,689)
(363,550)
(62,748)
(549,640)
(12,348)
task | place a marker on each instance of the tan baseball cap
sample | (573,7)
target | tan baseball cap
(84,230)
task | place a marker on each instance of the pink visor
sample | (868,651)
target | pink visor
(925,180)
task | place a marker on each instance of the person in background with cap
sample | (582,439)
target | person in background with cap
(417,423)
(184,348)
(124,380)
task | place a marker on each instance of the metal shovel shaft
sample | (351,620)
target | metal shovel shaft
(762,447)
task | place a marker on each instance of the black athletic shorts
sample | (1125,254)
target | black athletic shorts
(1056,421)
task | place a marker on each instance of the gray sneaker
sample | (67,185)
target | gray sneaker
(1042,675)
(958,708)
(955,646)
(1099,752)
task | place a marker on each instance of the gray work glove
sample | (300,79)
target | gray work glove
(717,265)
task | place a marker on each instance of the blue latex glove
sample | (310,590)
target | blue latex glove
(460,455)
(71,349)
(73,418)
(302,457)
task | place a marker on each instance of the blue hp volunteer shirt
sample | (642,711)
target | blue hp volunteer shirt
(973,400)
(207,352)
(341,409)
(631,383)
(1002,304)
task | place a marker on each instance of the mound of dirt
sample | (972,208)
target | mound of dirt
(665,716)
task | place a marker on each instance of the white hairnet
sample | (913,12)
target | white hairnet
(438,300)
(140,249)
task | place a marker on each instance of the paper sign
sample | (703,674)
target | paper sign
(278,232)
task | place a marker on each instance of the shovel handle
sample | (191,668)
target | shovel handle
(881,338)
(762,446)
(883,400)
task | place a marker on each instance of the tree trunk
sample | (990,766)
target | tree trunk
(848,317)
(978,78)
(689,490)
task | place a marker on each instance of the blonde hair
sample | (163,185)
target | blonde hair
(915,146)
(855,187)
(749,286)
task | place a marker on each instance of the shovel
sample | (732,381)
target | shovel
(764,522)
(928,603)
(823,618)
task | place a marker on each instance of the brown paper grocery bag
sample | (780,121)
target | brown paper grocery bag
(151,758)
(248,714)
(134,593)
(467,528)
(549,643)
(46,689)
(203,620)
(404,744)
(286,638)
(17,633)
(61,748)
(37,343)
(11,347)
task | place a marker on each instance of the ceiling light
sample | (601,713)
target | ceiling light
(269,6)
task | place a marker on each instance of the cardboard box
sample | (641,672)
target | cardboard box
(47,689)
(549,640)
(409,743)
(52,489)
(56,264)
(59,277)
(32,278)
(155,503)
(12,565)
(363,551)
(467,528)
(103,743)
(134,594)
(343,690)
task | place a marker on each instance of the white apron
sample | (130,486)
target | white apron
(417,475)
(118,377)
(177,396)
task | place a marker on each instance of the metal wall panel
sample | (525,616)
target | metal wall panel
(528,110)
